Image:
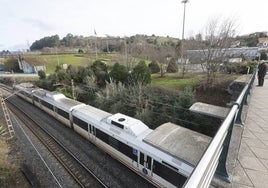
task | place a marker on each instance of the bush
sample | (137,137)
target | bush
(172,66)
(241,68)
(141,74)
(119,73)
(11,64)
(263,56)
(154,67)
(42,75)
(100,71)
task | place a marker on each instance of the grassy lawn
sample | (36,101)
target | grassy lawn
(52,60)
(173,80)
(169,80)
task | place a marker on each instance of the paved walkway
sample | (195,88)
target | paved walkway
(251,168)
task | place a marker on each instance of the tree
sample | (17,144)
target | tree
(119,73)
(52,41)
(11,64)
(172,66)
(42,74)
(82,73)
(218,37)
(141,74)
(100,71)
(72,70)
(154,67)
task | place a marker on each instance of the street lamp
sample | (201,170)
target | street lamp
(182,38)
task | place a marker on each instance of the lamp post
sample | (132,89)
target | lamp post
(182,37)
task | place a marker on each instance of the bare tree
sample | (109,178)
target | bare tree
(218,36)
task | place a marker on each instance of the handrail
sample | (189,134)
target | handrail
(205,169)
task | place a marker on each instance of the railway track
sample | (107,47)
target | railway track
(110,171)
(82,175)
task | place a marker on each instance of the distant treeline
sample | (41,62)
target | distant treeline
(104,44)
(111,43)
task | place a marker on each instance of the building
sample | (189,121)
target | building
(28,68)
(263,42)
(245,53)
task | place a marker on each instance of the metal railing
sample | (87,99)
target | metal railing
(216,154)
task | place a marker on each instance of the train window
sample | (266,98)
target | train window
(118,125)
(89,126)
(46,104)
(174,168)
(113,142)
(141,158)
(128,151)
(149,162)
(102,136)
(123,148)
(93,130)
(35,98)
(80,123)
(63,113)
(168,174)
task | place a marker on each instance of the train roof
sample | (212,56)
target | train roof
(25,85)
(178,141)
(67,102)
(57,99)
(127,124)
(87,111)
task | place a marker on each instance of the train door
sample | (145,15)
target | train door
(90,134)
(55,111)
(71,119)
(93,132)
(135,162)
(145,164)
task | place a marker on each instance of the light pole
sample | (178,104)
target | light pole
(182,37)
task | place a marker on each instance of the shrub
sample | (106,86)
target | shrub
(172,67)
(154,67)
(241,68)
(141,74)
(42,74)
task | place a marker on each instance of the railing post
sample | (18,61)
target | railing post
(244,101)
(221,170)
(238,119)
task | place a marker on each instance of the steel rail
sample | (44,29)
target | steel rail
(59,156)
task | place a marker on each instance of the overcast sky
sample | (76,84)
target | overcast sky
(24,21)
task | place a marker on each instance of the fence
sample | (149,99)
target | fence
(216,154)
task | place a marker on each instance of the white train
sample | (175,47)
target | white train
(153,154)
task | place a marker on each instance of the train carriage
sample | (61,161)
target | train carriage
(57,105)
(86,118)
(165,156)
(25,91)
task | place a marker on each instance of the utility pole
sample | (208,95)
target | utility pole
(96,49)
(126,57)
(58,60)
(182,38)
(73,89)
